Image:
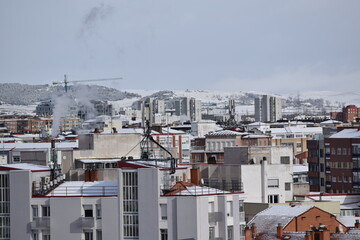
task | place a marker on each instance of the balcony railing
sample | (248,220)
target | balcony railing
(84,191)
(40,223)
(87,222)
(215,217)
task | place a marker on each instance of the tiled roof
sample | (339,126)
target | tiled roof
(267,220)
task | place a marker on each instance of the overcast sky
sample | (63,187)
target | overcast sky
(269,46)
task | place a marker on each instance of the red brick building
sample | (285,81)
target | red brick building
(342,162)
(296,222)
(348,114)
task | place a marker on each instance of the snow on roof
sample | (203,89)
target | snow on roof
(347,133)
(258,124)
(349,221)
(131,130)
(297,168)
(173,131)
(80,188)
(291,129)
(190,189)
(58,145)
(256,136)
(99,160)
(26,166)
(331,121)
(267,220)
(226,132)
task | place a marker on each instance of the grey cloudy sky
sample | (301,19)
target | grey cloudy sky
(270,46)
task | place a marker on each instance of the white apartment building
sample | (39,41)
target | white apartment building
(268,109)
(132,207)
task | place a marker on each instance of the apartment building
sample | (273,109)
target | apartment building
(135,206)
(342,162)
(348,114)
(268,109)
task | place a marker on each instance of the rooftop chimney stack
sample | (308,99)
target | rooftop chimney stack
(253,230)
(279,231)
(248,234)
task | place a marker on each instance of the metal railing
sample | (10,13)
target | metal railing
(87,222)
(40,223)
(184,190)
(84,191)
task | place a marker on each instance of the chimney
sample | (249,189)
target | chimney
(253,230)
(357,224)
(324,233)
(308,235)
(279,231)
(195,175)
(248,235)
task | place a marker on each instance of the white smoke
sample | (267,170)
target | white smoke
(62,105)
(68,105)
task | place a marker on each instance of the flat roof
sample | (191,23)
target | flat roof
(25,166)
(81,188)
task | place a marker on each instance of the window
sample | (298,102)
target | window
(98,235)
(16,159)
(322,181)
(229,208)
(273,183)
(333,151)
(130,205)
(88,211)
(35,235)
(241,206)
(88,235)
(35,211)
(163,234)
(273,198)
(285,160)
(46,211)
(339,151)
(230,232)
(211,232)
(287,186)
(98,211)
(211,207)
(46,236)
(163,211)
(333,179)
(344,151)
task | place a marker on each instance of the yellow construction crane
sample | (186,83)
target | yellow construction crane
(65,82)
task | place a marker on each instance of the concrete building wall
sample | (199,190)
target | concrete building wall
(149,193)
(201,128)
(108,146)
(20,210)
(66,220)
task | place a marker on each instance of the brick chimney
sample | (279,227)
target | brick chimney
(308,235)
(279,231)
(248,235)
(253,230)
(195,175)
(324,233)
(357,224)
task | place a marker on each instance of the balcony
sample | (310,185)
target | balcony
(215,217)
(40,223)
(87,222)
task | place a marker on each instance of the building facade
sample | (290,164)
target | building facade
(268,109)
